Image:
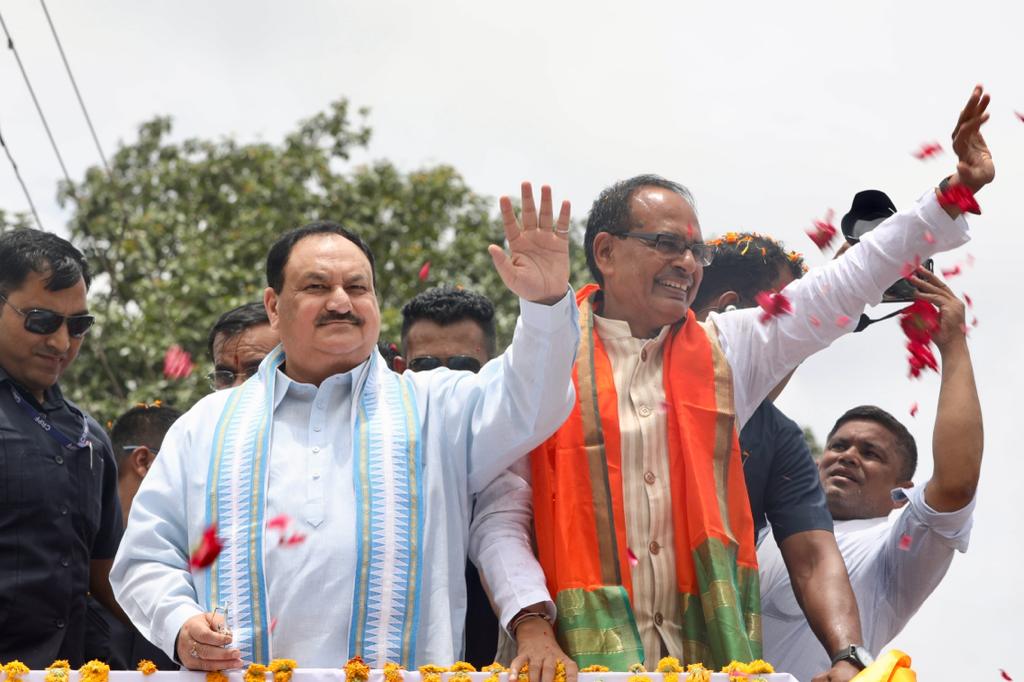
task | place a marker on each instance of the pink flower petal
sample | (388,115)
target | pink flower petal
(842,320)
(279,523)
(905,542)
(913,410)
(929,237)
(273,624)
(951,272)
(633,561)
(967,299)
(1006,675)
(815,321)
(425,272)
(927,151)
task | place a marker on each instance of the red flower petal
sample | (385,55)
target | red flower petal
(294,539)
(772,304)
(961,197)
(823,231)
(177,363)
(928,150)
(929,237)
(273,624)
(905,542)
(913,410)
(208,549)
(279,522)
(974,322)
(1006,675)
(842,320)
(967,299)
(425,272)
(951,272)
(1021,117)
(633,561)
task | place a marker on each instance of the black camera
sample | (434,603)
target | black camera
(870,208)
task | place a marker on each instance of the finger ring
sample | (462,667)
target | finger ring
(560,231)
(194,652)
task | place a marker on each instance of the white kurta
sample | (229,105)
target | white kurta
(895,563)
(760,355)
(473,427)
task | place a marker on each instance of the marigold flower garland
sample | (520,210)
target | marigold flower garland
(495,669)
(461,671)
(283,669)
(146,666)
(431,673)
(392,672)
(669,668)
(256,672)
(216,676)
(59,671)
(638,670)
(94,671)
(696,672)
(596,668)
(356,670)
(14,670)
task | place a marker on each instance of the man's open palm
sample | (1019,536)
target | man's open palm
(537,267)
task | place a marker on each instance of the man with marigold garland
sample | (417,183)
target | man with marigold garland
(645,538)
(341,490)
(897,539)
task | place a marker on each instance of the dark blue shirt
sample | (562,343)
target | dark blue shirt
(58,511)
(782,478)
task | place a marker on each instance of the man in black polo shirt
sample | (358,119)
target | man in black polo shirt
(781,476)
(60,520)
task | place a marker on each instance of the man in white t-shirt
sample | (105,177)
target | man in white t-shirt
(897,539)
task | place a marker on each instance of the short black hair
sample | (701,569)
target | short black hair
(141,425)
(904,439)
(277,257)
(611,212)
(237,320)
(747,263)
(28,250)
(445,305)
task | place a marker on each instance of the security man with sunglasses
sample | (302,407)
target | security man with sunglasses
(60,519)
(454,328)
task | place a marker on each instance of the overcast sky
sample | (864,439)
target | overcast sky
(770,112)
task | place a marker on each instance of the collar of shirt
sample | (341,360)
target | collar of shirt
(615,330)
(286,386)
(53,398)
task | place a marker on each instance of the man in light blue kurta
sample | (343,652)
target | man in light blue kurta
(370,472)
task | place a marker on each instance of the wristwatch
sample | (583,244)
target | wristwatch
(856,655)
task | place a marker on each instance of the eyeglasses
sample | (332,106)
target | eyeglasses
(45,322)
(225,378)
(673,245)
(465,363)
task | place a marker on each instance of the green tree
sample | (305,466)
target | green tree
(178,232)
(812,443)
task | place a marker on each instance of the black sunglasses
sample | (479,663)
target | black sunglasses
(465,363)
(43,321)
(673,245)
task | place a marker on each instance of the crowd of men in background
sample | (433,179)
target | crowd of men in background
(614,505)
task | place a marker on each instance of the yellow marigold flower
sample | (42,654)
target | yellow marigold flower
(355,669)
(255,673)
(431,673)
(637,677)
(493,668)
(559,671)
(392,672)
(595,669)
(524,674)
(735,667)
(146,666)
(94,671)
(731,237)
(759,667)
(15,669)
(669,664)
(462,667)
(637,668)
(59,671)
(283,669)
(696,672)
(216,676)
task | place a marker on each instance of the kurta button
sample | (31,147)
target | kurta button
(650,477)
(63,510)
(658,618)
(654,547)
(316,428)
(64,562)
(316,449)
(58,459)
(643,355)
(645,411)
(59,623)
(316,476)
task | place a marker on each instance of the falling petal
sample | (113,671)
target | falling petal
(633,561)
(928,151)
(974,322)
(1021,117)
(960,196)
(823,231)
(970,303)
(273,624)
(913,410)
(773,304)
(1006,675)
(929,237)
(294,539)
(177,362)
(951,272)
(815,321)
(842,320)
(425,272)
(905,542)
(208,549)
(970,259)
(279,523)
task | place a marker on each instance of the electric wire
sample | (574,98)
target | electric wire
(24,187)
(74,84)
(35,100)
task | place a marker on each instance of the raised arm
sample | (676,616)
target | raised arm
(829,299)
(957,440)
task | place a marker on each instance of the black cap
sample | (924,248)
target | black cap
(869,205)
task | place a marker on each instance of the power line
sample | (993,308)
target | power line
(78,94)
(17,174)
(39,109)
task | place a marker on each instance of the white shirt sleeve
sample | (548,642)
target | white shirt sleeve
(517,399)
(500,544)
(762,354)
(919,550)
(150,575)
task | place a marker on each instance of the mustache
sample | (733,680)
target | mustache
(340,317)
